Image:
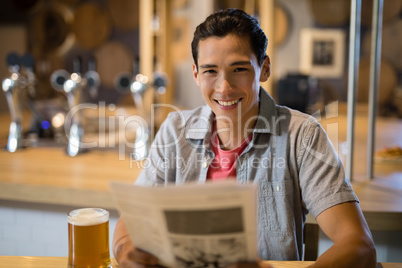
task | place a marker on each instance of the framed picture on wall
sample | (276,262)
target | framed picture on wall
(322,52)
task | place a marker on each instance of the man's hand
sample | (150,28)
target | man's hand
(126,254)
(131,257)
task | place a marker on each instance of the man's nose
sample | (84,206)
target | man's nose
(223,84)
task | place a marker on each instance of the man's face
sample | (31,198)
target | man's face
(229,77)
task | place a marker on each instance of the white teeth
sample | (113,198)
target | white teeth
(228,103)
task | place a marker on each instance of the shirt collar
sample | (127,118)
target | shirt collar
(197,127)
(268,120)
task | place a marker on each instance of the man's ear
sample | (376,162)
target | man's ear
(195,73)
(265,69)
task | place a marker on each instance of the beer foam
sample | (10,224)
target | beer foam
(88,216)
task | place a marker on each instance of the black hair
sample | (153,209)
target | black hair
(231,21)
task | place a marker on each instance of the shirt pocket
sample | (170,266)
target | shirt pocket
(275,207)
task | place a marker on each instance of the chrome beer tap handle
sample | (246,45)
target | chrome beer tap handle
(11,88)
(138,88)
(72,85)
(142,137)
(73,88)
(138,85)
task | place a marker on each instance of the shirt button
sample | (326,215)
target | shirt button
(277,188)
(205,164)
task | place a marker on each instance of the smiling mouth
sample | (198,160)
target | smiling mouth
(228,103)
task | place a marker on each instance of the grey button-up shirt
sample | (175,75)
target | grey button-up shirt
(290,157)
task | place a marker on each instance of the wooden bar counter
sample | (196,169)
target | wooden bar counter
(48,175)
(61,262)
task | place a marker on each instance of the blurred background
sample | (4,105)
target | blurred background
(55,32)
(117,58)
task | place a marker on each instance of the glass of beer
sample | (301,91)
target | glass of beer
(88,238)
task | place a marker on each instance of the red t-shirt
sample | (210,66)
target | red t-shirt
(224,163)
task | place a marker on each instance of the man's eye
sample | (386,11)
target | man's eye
(210,71)
(240,69)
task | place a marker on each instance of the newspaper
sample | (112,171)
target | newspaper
(192,225)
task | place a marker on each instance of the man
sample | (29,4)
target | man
(243,133)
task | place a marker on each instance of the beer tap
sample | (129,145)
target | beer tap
(73,88)
(72,85)
(11,88)
(138,85)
